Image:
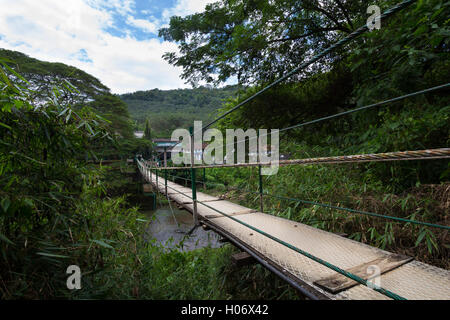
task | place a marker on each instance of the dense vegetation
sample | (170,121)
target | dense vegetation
(82,91)
(408,54)
(56,209)
(168,110)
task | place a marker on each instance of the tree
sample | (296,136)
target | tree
(148,131)
(112,108)
(80,90)
(167,110)
(257,41)
(44,76)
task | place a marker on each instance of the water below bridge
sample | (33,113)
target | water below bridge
(169,226)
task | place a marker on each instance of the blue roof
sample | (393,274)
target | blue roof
(166,144)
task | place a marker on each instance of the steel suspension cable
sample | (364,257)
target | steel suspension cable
(440,153)
(377,104)
(314,59)
(350,275)
(345,273)
(377,215)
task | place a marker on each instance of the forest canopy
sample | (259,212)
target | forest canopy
(168,110)
(80,90)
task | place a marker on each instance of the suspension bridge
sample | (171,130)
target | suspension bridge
(320,264)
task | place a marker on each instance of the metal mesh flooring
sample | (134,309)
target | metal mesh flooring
(414,280)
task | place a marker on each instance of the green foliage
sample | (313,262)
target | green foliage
(288,104)
(168,110)
(147,131)
(116,112)
(42,76)
(398,59)
(42,143)
(81,91)
(408,53)
(54,213)
(347,186)
(257,40)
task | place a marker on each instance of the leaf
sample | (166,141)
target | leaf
(51,255)
(5,125)
(5,203)
(15,73)
(103,244)
(18,104)
(420,237)
(5,239)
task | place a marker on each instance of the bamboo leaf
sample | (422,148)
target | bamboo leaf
(5,239)
(51,255)
(103,244)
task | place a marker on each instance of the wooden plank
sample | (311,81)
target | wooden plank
(341,234)
(232,214)
(242,259)
(338,282)
(413,280)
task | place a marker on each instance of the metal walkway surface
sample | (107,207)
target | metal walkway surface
(399,274)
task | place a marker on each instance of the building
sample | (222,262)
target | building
(163,148)
(139,134)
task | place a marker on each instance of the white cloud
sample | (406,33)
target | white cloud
(145,25)
(53,30)
(123,7)
(186,7)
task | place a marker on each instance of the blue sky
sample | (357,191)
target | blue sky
(114,40)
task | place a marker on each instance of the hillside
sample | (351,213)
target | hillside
(171,109)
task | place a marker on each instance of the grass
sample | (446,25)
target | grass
(122,265)
(106,236)
(352,186)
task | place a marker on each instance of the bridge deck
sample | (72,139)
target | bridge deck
(405,277)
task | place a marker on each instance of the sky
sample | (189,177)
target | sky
(114,40)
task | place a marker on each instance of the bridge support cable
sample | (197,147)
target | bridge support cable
(315,58)
(345,273)
(369,106)
(193,178)
(325,205)
(428,154)
(310,256)
(398,219)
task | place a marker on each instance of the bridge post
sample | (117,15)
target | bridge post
(146,171)
(165,180)
(193,179)
(261,203)
(165,157)
(204,178)
(147,178)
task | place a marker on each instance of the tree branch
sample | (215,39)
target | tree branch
(305,35)
(345,12)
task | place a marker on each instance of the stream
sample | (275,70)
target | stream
(170,228)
